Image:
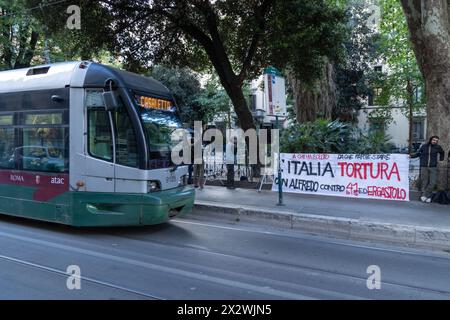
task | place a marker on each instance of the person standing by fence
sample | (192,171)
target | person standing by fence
(199,165)
(428,154)
(231,160)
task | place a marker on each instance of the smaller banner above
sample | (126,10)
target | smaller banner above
(274,93)
(369,176)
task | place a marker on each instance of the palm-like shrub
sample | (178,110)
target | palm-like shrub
(324,136)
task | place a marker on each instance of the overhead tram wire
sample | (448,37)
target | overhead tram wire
(41,6)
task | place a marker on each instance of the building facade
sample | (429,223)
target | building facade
(393,120)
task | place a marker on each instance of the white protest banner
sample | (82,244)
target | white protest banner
(370,176)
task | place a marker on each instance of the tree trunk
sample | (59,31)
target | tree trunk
(24,59)
(438,116)
(318,101)
(232,86)
(7,55)
(245,117)
(429,26)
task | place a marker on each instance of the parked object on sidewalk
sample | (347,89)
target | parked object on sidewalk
(441,197)
(428,154)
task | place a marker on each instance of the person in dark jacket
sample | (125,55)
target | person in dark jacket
(428,154)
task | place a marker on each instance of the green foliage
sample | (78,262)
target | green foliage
(213,99)
(238,38)
(403,79)
(305,32)
(324,136)
(34,31)
(185,87)
(19,35)
(194,102)
(89,42)
(373,143)
(355,73)
(248,35)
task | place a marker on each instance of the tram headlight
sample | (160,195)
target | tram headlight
(153,186)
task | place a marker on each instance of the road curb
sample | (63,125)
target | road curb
(346,228)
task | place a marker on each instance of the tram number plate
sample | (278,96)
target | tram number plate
(171,178)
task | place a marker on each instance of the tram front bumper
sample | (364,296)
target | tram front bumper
(167,204)
(116,209)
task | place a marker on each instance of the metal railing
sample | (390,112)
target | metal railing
(443,173)
(216,169)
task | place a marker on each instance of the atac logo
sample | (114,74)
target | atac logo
(57,180)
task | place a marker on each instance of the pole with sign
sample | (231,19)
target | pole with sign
(280,185)
(275,98)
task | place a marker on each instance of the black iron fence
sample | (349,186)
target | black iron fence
(414,175)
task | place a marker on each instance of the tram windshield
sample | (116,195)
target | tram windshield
(159,120)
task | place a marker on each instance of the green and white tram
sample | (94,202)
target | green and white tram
(85,144)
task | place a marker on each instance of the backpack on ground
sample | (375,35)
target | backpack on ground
(441,197)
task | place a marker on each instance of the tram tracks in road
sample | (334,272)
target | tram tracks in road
(90,280)
(219,278)
(202,273)
(301,267)
(345,276)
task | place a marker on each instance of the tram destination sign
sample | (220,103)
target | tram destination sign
(153,103)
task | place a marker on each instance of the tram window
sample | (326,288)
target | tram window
(43,118)
(43,149)
(99,135)
(7,148)
(126,143)
(6,120)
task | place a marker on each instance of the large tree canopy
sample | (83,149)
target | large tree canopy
(344,85)
(355,73)
(19,35)
(93,38)
(402,86)
(236,37)
(35,32)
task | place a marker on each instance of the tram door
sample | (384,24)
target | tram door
(100,145)
(127,175)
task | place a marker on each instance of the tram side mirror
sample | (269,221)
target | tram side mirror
(110,101)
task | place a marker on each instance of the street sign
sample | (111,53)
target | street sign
(274,93)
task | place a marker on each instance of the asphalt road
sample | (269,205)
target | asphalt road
(199,259)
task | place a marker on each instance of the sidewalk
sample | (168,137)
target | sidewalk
(411,223)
